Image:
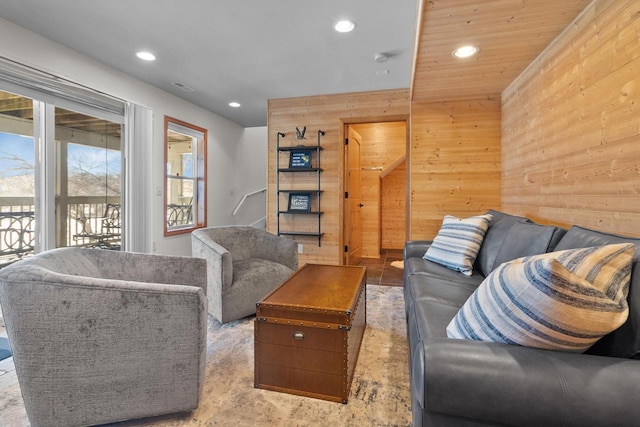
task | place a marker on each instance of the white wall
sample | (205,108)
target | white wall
(251,175)
(227,140)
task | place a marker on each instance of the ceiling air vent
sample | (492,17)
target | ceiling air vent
(183,86)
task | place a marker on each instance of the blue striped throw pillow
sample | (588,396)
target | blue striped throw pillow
(458,242)
(564,300)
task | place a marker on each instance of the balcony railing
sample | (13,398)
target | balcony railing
(17,235)
(89,222)
(179,215)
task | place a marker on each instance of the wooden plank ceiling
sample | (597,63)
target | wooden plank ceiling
(509,33)
(22,108)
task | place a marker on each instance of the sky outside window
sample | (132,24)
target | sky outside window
(16,155)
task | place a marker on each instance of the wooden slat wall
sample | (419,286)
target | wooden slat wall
(328,113)
(454,162)
(571,126)
(393,206)
(382,144)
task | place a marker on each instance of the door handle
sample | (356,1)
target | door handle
(361,205)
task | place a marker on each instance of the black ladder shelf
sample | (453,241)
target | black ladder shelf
(317,192)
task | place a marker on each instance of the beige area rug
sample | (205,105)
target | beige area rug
(379,393)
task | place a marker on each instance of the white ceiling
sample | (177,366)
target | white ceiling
(247,51)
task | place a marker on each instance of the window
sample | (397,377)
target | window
(185,177)
(68,159)
(83,188)
(87,180)
(17,178)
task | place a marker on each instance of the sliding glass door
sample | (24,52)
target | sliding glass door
(62,187)
(87,180)
(17,178)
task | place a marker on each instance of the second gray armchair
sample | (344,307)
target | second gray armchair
(244,264)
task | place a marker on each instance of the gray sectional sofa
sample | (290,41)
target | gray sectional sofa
(465,382)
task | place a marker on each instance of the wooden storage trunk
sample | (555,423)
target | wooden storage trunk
(308,332)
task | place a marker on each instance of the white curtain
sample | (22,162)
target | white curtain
(138,198)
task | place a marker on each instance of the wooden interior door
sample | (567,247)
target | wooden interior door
(353,202)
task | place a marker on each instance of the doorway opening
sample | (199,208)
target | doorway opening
(375,182)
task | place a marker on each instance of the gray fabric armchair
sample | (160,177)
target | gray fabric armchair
(102,336)
(244,264)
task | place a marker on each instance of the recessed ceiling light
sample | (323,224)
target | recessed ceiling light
(344,26)
(234,104)
(147,56)
(465,51)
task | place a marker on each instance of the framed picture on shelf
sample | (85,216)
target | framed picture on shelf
(299,202)
(300,159)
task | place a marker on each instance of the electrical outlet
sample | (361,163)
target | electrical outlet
(299,248)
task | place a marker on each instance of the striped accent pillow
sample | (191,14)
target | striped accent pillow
(458,242)
(564,300)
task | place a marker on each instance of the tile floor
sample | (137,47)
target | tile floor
(380,271)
